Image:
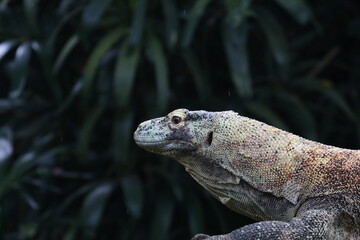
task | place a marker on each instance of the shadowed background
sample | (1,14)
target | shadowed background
(76,77)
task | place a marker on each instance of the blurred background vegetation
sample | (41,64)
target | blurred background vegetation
(77,76)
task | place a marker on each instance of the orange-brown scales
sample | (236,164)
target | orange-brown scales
(301,189)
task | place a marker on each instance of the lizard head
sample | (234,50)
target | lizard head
(225,149)
(179,133)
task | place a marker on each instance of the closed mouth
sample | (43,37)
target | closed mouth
(149,143)
(165,145)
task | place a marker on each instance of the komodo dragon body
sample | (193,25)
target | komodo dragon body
(297,188)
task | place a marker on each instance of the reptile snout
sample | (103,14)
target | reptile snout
(141,132)
(150,133)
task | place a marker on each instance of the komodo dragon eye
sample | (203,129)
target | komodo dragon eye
(176,119)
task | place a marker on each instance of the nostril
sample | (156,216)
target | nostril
(209,139)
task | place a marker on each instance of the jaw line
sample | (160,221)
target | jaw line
(165,145)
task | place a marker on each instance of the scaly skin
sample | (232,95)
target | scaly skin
(297,188)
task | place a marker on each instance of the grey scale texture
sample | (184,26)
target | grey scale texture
(294,187)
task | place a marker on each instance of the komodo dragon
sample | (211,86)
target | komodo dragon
(298,188)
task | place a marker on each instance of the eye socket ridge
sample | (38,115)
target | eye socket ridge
(176,120)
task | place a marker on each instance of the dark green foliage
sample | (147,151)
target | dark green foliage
(76,77)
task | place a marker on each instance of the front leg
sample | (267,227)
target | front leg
(312,224)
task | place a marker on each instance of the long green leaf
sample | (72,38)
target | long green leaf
(64,6)
(138,22)
(21,165)
(133,194)
(71,233)
(24,164)
(171,22)
(48,156)
(161,70)
(44,52)
(329,92)
(6,138)
(31,10)
(87,129)
(235,41)
(93,11)
(122,135)
(200,80)
(162,218)
(124,75)
(18,69)
(276,38)
(22,56)
(93,63)
(6,148)
(339,100)
(3,4)
(237,12)
(192,21)
(70,98)
(5,47)
(26,196)
(48,47)
(64,53)
(93,208)
(70,199)
(298,9)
